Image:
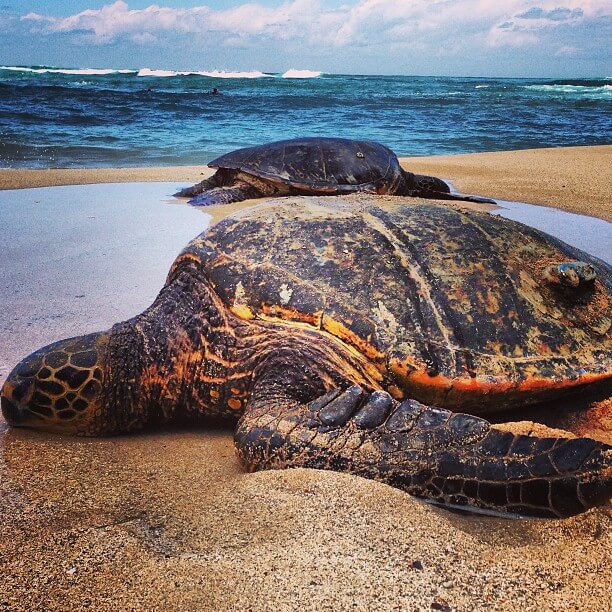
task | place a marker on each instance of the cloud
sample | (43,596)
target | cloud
(117,20)
(525,27)
(438,27)
(556,14)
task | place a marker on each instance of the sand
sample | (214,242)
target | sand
(576,179)
(169,521)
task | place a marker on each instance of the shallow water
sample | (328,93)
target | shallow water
(589,234)
(77,259)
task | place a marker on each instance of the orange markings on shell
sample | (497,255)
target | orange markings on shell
(340,331)
(459,392)
(234,403)
(291,314)
(242,311)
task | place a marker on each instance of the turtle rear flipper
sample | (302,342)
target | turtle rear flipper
(449,458)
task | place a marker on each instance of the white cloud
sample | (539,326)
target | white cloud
(525,24)
(452,25)
(117,20)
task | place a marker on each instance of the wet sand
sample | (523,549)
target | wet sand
(167,520)
(576,179)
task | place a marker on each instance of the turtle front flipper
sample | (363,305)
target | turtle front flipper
(218,179)
(448,458)
(226,195)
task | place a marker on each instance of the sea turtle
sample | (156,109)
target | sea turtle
(313,166)
(340,335)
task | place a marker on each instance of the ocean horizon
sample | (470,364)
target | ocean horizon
(88,117)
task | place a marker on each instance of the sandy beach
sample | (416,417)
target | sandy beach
(576,179)
(168,520)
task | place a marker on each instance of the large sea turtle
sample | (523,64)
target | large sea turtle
(313,166)
(340,335)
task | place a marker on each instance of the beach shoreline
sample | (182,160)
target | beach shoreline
(575,179)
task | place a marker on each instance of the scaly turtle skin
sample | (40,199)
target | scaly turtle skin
(313,166)
(328,328)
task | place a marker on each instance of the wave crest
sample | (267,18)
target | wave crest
(292,73)
(81,71)
(600,90)
(214,74)
(301,74)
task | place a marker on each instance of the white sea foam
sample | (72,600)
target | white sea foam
(603,90)
(482,86)
(221,74)
(81,71)
(215,74)
(149,72)
(301,74)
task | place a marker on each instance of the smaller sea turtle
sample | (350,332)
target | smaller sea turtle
(314,166)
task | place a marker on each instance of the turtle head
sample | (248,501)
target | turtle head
(422,185)
(59,387)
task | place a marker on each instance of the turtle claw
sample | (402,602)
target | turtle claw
(340,409)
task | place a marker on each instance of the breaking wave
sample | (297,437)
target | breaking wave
(602,89)
(301,74)
(215,74)
(81,71)
(160,73)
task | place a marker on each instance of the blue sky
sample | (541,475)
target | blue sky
(443,37)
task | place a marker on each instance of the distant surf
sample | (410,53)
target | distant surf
(301,74)
(591,87)
(79,71)
(213,74)
(56,116)
(292,73)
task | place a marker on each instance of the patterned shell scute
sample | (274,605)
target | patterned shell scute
(447,302)
(320,163)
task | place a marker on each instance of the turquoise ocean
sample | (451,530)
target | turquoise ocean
(82,117)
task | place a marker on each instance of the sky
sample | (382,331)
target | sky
(514,38)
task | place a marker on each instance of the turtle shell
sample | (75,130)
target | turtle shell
(453,308)
(319,165)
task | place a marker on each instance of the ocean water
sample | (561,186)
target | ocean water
(62,117)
